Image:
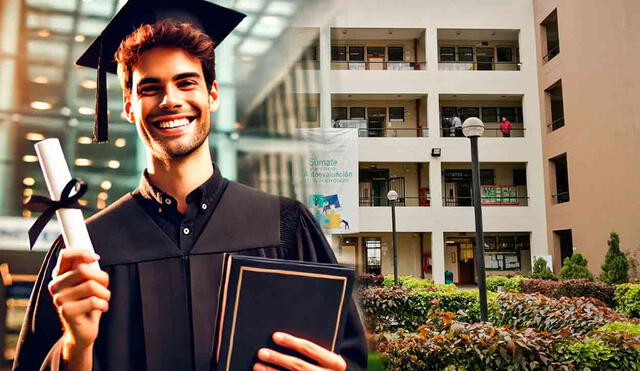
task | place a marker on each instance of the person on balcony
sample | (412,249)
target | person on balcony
(446,126)
(457,125)
(505,127)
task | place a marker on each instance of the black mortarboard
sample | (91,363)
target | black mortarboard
(214,20)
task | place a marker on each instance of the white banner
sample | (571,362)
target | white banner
(331,178)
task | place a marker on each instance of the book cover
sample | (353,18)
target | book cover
(260,296)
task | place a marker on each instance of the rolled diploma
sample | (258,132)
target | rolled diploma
(56,174)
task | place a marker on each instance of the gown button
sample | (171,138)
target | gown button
(186,231)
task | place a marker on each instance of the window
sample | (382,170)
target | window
(449,111)
(509,113)
(565,238)
(487,177)
(339,113)
(396,53)
(466,112)
(505,54)
(562,178)
(396,114)
(311,114)
(447,54)
(373,247)
(338,53)
(520,177)
(490,114)
(357,113)
(465,54)
(554,95)
(550,29)
(310,54)
(356,53)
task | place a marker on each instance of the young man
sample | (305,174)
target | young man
(505,127)
(152,304)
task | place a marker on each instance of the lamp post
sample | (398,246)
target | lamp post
(473,128)
(393,196)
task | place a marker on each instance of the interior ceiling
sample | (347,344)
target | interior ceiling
(376,33)
(477,34)
(481,97)
(376,97)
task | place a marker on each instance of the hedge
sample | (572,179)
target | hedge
(577,315)
(627,297)
(390,308)
(571,288)
(507,283)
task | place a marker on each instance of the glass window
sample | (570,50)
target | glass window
(509,113)
(466,112)
(519,177)
(447,54)
(396,53)
(311,114)
(339,113)
(490,114)
(487,177)
(338,53)
(505,54)
(465,54)
(357,113)
(519,114)
(356,53)
(396,113)
(448,111)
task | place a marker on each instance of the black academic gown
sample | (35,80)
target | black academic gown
(164,301)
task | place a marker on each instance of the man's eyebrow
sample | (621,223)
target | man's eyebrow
(149,80)
(185,75)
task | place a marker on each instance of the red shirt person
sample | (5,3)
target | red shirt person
(505,127)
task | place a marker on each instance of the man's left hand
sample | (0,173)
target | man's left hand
(326,359)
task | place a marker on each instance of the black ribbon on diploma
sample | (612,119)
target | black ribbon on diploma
(48,206)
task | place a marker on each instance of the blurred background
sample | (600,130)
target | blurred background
(265,70)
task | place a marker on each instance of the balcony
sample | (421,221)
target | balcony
(394,49)
(501,184)
(381,115)
(487,107)
(478,50)
(410,180)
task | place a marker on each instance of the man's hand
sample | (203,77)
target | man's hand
(326,359)
(80,295)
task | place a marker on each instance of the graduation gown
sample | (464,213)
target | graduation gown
(163,305)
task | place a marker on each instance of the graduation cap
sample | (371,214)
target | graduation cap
(214,20)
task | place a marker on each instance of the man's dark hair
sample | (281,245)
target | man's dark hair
(165,33)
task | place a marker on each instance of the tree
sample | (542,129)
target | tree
(575,267)
(541,270)
(615,268)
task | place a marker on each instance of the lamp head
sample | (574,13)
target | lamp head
(472,127)
(392,195)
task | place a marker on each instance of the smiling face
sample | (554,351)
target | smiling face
(169,102)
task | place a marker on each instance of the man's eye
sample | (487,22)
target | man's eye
(148,89)
(186,83)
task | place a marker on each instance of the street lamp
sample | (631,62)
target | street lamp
(473,128)
(393,196)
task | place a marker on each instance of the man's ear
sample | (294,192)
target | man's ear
(214,97)
(127,108)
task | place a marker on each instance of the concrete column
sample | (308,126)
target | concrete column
(435,184)
(325,76)
(432,49)
(437,255)
(433,115)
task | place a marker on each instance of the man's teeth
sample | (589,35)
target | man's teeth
(173,123)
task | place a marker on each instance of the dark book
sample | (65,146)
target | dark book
(260,296)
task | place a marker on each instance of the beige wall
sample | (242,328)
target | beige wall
(598,66)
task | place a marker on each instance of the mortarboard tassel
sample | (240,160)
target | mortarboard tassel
(101,120)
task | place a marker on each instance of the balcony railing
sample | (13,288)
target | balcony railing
(551,53)
(402,201)
(561,197)
(478,66)
(488,132)
(556,124)
(364,131)
(492,195)
(379,65)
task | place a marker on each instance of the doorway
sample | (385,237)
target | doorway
(566,243)
(376,120)
(484,59)
(374,185)
(466,269)
(375,58)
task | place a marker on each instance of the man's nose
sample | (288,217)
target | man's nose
(171,99)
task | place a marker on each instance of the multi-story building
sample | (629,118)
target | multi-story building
(588,88)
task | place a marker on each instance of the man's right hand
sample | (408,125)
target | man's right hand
(80,295)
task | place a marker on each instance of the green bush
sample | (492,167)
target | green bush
(575,267)
(540,270)
(409,282)
(605,351)
(577,315)
(633,328)
(627,297)
(615,269)
(507,283)
(391,308)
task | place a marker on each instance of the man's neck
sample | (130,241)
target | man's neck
(178,177)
